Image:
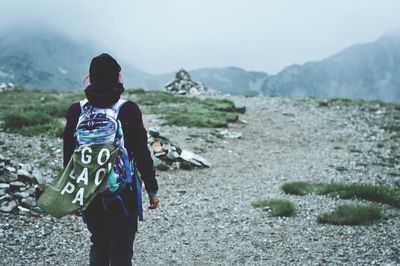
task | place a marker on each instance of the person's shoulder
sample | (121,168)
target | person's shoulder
(130,111)
(73,110)
(130,106)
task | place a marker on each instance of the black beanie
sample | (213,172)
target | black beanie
(104,69)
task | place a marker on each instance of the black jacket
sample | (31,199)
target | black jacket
(135,135)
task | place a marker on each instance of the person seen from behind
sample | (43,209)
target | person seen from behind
(113,225)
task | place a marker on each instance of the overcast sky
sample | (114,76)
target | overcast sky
(163,35)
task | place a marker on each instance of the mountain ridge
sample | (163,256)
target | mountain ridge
(40,58)
(32,58)
(367,71)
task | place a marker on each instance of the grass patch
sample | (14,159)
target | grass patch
(187,111)
(392,128)
(341,169)
(32,123)
(38,112)
(340,102)
(352,214)
(278,207)
(375,193)
(35,112)
(353,150)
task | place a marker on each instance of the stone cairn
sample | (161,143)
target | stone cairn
(184,85)
(167,155)
(20,186)
(7,87)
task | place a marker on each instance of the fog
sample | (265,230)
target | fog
(163,35)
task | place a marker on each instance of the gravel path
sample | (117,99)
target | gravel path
(205,216)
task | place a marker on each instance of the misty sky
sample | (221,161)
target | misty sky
(163,35)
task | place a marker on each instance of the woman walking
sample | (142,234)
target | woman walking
(113,224)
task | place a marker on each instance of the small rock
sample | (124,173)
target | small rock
(24,176)
(38,178)
(26,167)
(11,169)
(5,197)
(28,202)
(23,210)
(8,207)
(240,110)
(21,195)
(3,191)
(4,185)
(230,134)
(16,185)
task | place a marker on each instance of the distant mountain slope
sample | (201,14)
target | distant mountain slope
(231,80)
(35,61)
(35,57)
(367,71)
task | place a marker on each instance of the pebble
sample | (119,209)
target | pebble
(11,169)
(24,176)
(8,207)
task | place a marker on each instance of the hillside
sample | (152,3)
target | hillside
(39,58)
(364,71)
(206,215)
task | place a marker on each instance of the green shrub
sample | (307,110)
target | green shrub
(135,91)
(341,169)
(32,123)
(188,111)
(353,214)
(392,128)
(375,193)
(278,207)
(220,105)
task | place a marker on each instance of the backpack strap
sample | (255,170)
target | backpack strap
(82,104)
(117,106)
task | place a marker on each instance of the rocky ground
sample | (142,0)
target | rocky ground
(205,216)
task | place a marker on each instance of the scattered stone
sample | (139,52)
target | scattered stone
(11,169)
(243,121)
(230,134)
(5,197)
(26,167)
(38,178)
(24,176)
(16,185)
(28,202)
(167,154)
(194,159)
(3,191)
(240,110)
(4,186)
(8,207)
(21,195)
(23,210)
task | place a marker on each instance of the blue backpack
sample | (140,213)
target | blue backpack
(102,126)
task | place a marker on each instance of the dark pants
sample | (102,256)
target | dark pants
(113,233)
